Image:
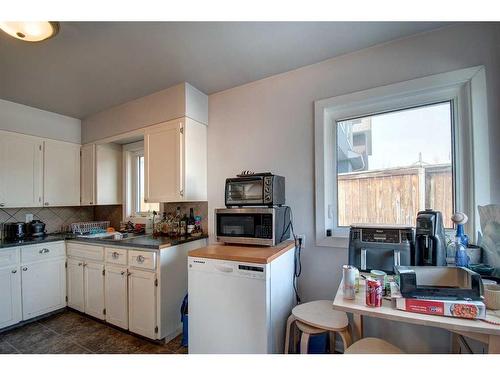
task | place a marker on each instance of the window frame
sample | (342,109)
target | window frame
(453,86)
(131,154)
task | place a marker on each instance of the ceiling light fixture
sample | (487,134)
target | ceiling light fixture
(30,31)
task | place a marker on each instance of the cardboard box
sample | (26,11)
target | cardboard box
(456,309)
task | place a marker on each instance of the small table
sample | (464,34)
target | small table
(486,333)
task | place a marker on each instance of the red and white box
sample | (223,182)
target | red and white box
(456,309)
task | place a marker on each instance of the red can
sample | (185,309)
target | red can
(373,292)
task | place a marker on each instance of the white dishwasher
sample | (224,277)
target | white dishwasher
(239,307)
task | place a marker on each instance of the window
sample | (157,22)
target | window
(135,207)
(383,154)
(139,206)
(391,165)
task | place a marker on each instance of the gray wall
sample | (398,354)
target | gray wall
(268,125)
(28,120)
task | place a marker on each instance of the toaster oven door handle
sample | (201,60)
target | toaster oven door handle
(397,258)
(363,259)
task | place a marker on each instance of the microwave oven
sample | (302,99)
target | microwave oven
(253,225)
(259,189)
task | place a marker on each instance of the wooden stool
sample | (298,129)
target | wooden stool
(372,345)
(318,317)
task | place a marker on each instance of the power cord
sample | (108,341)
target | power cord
(298,248)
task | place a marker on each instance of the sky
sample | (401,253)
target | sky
(398,137)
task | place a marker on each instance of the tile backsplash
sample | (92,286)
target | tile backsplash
(58,219)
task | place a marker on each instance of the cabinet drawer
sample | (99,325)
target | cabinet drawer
(115,256)
(42,251)
(9,257)
(142,259)
(85,251)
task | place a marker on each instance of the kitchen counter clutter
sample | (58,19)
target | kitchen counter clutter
(147,242)
(243,253)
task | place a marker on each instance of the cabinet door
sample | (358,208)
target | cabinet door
(109,174)
(10,296)
(116,296)
(87,176)
(21,170)
(142,303)
(61,182)
(43,287)
(93,279)
(163,159)
(76,294)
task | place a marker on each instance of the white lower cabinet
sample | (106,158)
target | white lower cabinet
(116,296)
(94,289)
(43,287)
(10,296)
(142,303)
(76,291)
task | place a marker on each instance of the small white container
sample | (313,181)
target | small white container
(492,296)
(349,281)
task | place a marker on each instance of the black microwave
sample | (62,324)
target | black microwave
(259,189)
(253,226)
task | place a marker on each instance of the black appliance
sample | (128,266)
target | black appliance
(14,231)
(451,283)
(255,189)
(36,228)
(380,247)
(253,226)
(430,243)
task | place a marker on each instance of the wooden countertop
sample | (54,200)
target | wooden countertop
(243,253)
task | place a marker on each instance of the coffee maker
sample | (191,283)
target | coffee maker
(430,243)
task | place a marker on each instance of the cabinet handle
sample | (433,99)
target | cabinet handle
(129,273)
(181,192)
(140,259)
(115,254)
(2,204)
(14,271)
(80,264)
(46,204)
(25,268)
(44,251)
(123,273)
(85,264)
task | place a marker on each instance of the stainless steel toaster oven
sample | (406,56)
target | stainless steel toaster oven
(259,189)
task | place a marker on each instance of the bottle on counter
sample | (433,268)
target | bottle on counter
(461,257)
(191,222)
(176,223)
(183,225)
(164,225)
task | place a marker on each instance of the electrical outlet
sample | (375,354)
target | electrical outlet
(303,237)
(29,218)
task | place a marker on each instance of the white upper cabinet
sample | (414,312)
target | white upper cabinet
(21,170)
(101,174)
(87,175)
(61,182)
(175,161)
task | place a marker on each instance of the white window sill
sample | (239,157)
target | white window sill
(338,242)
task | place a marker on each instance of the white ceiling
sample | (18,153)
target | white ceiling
(90,66)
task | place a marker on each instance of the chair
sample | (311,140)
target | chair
(314,318)
(372,345)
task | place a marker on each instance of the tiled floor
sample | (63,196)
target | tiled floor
(73,333)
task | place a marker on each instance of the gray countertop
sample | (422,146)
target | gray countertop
(136,241)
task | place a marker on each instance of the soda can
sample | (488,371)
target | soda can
(373,292)
(349,281)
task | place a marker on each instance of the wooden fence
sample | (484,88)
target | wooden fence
(394,196)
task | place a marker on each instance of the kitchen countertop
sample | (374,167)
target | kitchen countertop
(243,253)
(136,241)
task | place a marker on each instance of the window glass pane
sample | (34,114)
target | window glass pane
(391,165)
(143,206)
